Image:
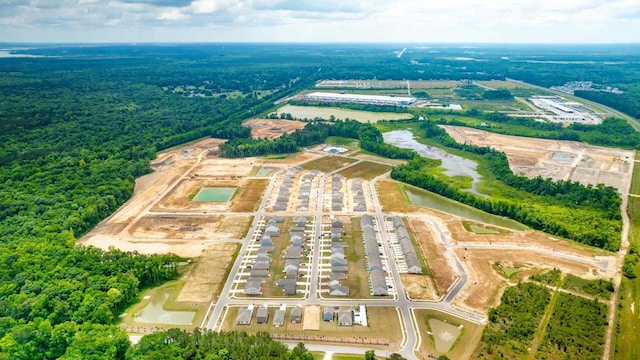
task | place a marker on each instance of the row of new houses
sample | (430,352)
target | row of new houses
(410,257)
(377,277)
(359,203)
(339,265)
(245,315)
(337,197)
(285,189)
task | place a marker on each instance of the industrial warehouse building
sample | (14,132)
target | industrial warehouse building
(360,99)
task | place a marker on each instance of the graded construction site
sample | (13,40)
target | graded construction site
(466,264)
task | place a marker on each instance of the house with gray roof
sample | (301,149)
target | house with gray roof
(293,252)
(253,286)
(259,273)
(244,316)
(339,290)
(345,318)
(262,315)
(296,315)
(378,283)
(278,318)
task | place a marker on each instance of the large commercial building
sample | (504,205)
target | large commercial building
(360,99)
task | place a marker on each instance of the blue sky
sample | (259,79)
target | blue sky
(501,21)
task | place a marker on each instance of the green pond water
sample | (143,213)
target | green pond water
(153,313)
(428,199)
(218,194)
(265,171)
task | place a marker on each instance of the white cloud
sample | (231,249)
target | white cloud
(328,20)
(173,15)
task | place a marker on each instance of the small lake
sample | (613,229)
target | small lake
(428,199)
(154,313)
(217,194)
(453,164)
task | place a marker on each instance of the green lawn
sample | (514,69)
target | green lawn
(366,170)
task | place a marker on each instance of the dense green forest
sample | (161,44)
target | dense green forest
(513,324)
(315,133)
(209,345)
(576,329)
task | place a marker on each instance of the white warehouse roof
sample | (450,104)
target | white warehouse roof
(362,98)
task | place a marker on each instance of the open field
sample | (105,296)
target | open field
(311,112)
(174,313)
(500,84)
(556,159)
(463,346)
(328,163)
(383,332)
(247,198)
(365,155)
(366,170)
(207,276)
(272,128)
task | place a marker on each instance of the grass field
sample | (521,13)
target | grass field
(311,112)
(174,288)
(340,141)
(247,197)
(464,345)
(366,170)
(328,163)
(628,333)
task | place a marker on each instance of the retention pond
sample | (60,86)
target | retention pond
(217,194)
(453,164)
(428,199)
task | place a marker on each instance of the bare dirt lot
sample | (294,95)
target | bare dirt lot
(272,128)
(556,159)
(171,227)
(207,276)
(440,264)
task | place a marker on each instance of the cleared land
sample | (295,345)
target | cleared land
(311,112)
(366,170)
(556,159)
(439,263)
(174,227)
(272,128)
(205,279)
(387,84)
(328,163)
(383,332)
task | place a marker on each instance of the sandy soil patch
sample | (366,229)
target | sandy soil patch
(272,128)
(168,227)
(419,287)
(556,159)
(441,266)
(311,318)
(207,276)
